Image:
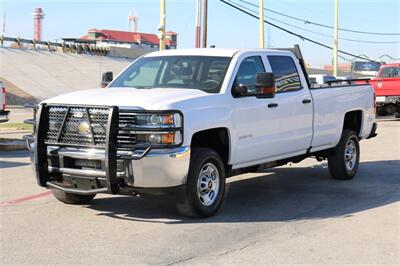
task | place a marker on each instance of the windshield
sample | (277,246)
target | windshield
(204,73)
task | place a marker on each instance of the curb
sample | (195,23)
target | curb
(13,145)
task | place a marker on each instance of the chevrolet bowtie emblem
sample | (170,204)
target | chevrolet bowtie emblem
(84,128)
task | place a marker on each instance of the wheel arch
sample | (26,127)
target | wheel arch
(353,120)
(217,139)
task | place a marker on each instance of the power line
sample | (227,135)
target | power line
(321,25)
(293,33)
(318,33)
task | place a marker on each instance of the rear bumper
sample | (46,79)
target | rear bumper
(380,100)
(373,133)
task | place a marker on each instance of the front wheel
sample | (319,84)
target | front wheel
(70,198)
(344,159)
(205,184)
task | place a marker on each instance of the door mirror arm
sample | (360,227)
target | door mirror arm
(240,90)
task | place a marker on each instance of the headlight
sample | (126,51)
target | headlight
(152,129)
(159,120)
(164,138)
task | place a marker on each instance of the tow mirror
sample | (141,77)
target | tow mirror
(265,85)
(106,78)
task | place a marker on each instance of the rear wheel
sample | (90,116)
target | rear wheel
(70,198)
(380,111)
(205,184)
(343,161)
(390,109)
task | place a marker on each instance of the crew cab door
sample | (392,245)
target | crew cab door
(295,103)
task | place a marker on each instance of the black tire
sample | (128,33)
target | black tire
(194,205)
(390,109)
(70,198)
(341,166)
(380,111)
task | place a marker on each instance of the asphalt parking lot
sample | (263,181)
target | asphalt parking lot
(291,214)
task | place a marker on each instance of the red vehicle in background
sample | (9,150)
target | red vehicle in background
(3,112)
(387,89)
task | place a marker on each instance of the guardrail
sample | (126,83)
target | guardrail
(74,47)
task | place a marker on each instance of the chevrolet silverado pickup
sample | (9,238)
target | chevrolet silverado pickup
(175,124)
(387,89)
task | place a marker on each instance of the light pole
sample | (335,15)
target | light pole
(161,30)
(204,26)
(261,25)
(198,33)
(335,40)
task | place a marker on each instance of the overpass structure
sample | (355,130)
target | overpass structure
(44,74)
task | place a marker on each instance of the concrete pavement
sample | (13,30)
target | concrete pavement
(291,214)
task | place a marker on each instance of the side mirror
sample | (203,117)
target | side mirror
(265,85)
(106,78)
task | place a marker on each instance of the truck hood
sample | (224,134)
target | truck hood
(127,97)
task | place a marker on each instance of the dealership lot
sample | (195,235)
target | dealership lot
(291,214)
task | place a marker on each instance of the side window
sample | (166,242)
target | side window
(248,69)
(285,72)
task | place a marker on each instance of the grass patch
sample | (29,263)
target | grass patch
(15,126)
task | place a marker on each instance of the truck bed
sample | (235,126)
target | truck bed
(327,124)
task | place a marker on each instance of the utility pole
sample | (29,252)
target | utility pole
(261,33)
(198,14)
(161,30)
(4,24)
(204,26)
(335,40)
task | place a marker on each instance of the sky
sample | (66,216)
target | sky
(226,27)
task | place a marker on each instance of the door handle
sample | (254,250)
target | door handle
(306,101)
(272,105)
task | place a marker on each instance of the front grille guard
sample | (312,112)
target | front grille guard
(41,156)
(40,151)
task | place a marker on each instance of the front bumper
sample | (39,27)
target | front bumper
(137,171)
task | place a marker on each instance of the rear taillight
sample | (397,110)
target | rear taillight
(3,104)
(374,103)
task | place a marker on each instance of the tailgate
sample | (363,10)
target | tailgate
(386,86)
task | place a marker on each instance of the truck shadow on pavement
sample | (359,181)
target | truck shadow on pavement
(282,194)
(8,157)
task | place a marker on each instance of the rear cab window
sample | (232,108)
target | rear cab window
(287,78)
(390,72)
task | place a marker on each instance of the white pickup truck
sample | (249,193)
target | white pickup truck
(175,124)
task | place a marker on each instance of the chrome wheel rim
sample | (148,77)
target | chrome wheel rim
(208,183)
(350,155)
